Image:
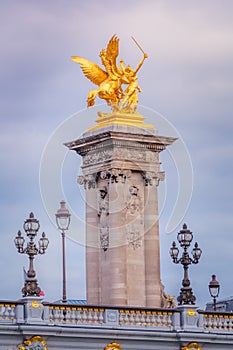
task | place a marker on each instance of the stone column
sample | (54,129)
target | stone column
(117,253)
(135,261)
(92,247)
(152,243)
(121,172)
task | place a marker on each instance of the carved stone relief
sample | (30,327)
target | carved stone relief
(119,175)
(112,175)
(97,157)
(103,213)
(88,181)
(134,219)
(153,178)
(141,155)
(115,175)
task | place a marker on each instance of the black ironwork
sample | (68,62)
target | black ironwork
(214,288)
(31,227)
(185,238)
(63,222)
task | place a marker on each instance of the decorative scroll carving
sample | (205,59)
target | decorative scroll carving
(103,213)
(152,178)
(134,218)
(34,343)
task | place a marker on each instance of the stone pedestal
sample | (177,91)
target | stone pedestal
(190,320)
(33,309)
(121,173)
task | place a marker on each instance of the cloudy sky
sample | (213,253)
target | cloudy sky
(187,85)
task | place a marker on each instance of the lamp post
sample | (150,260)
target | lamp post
(31,227)
(63,222)
(214,288)
(185,238)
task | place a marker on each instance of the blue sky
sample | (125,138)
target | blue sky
(187,81)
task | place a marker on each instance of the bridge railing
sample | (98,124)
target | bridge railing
(10,311)
(217,321)
(184,318)
(76,314)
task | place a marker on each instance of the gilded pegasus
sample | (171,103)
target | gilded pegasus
(110,80)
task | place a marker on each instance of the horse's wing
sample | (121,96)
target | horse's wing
(91,70)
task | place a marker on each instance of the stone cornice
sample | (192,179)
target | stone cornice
(119,139)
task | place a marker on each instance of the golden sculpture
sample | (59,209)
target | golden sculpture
(192,346)
(35,342)
(110,81)
(113,346)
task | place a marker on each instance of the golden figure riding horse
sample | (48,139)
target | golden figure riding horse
(110,80)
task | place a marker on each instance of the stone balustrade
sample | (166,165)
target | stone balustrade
(34,311)
(148,318)
(9,311)
(75,314)
(218,321)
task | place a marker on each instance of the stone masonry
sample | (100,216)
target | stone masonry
(121,174)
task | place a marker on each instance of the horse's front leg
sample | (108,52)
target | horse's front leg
(91,97)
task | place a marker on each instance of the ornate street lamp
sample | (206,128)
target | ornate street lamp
(31,227)
(63,222)
(185,238)
(214,288)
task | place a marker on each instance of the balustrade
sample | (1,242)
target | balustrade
(7,311)
(146,318)
(75,315)
(218,321)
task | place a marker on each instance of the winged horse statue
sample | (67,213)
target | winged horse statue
(111,79)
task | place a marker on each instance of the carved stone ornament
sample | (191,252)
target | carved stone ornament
(104,238)
(134,209)
(103,213)
(88,181)
(115,175)
(93,158)
(152,178)
(121,150)
(134,238)
(34,343)
(112,175)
